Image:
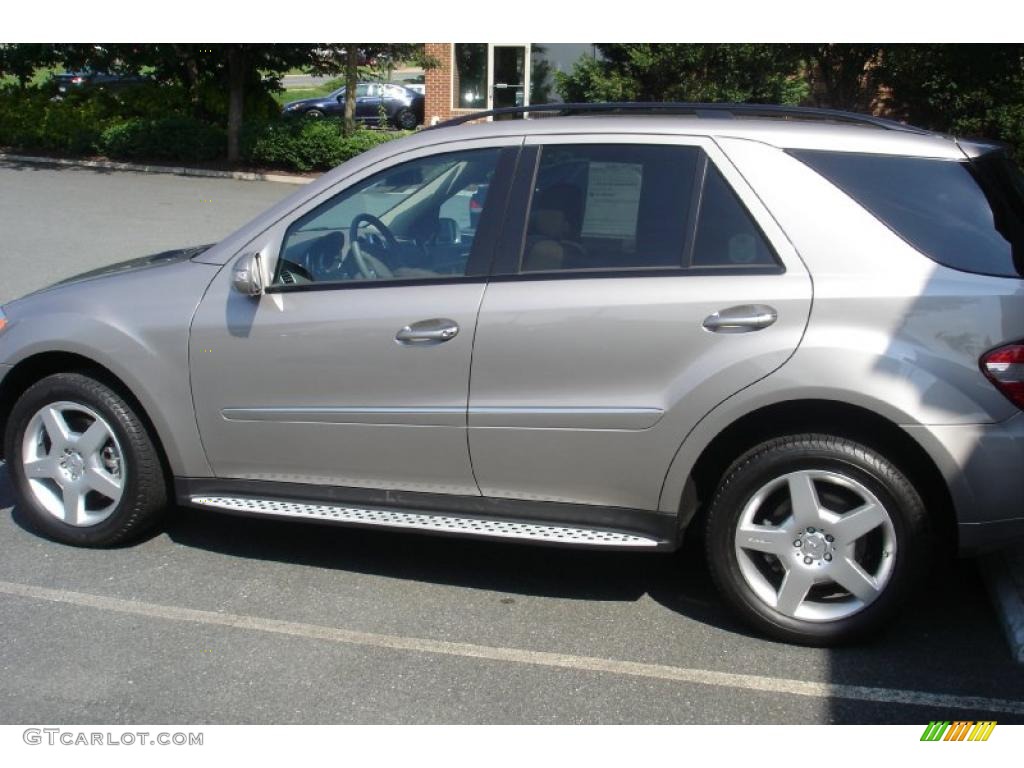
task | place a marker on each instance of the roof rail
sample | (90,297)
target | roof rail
(714,110)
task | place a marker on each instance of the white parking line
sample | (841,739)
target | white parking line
(519,656)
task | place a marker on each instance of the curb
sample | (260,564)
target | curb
(170,169)
(1003,572)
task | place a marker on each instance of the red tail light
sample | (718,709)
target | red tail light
(474,204)
(1004,367)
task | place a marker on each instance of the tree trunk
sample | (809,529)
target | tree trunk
(190,70)
(236,99)
(351,81)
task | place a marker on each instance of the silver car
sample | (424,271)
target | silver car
(793,333)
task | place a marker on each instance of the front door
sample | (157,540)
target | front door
(353,368)
(368,101)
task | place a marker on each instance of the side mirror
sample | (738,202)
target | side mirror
(247,278)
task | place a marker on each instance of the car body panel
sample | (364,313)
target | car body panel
(133,323)
(340,402)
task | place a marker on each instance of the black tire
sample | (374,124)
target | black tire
(406,120)
(313,114)
(144,496)
(906,540)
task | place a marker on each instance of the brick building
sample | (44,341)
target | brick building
(476,76)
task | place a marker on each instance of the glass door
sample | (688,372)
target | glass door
(510,74)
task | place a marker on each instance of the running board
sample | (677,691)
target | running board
(431,522)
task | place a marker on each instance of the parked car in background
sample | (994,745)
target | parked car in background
(798,336)
(66,82)
(476,203)
(402,107)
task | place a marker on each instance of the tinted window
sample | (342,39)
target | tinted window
(610,207)
(411,221)
(726,235)
(944,208)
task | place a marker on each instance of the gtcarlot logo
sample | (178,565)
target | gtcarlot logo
(72,738)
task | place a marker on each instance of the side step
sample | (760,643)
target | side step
(431,522)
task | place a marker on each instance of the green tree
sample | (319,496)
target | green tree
(841,75)
(21,60)
(239,69)
(741,72)
(967,90)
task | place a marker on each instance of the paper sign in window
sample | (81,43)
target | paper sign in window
(613,200)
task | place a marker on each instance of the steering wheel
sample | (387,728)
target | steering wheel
(370,266)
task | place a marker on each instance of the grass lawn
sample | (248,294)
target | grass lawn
(304,92)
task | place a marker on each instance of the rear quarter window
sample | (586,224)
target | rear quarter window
(951,211)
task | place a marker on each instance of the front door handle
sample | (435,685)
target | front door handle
(427,332)
(741,319)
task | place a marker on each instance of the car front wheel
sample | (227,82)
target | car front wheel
(816,539)
(84,467)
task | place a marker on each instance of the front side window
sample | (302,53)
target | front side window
(414,221)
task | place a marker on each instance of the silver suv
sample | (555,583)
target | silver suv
(794,333)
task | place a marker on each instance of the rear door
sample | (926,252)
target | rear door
(637,284)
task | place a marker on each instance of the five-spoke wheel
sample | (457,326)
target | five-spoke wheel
(815,545)
(73,463)
(84,465)
(815,539)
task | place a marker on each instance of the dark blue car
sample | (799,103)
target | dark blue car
(403,107)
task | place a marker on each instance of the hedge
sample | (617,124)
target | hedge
(176,139)
(305,144)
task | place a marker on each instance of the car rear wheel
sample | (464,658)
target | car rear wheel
(816,539)
(83,465)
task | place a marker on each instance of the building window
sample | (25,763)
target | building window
(469,78)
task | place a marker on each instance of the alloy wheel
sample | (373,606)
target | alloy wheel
(815,545)
(73,463)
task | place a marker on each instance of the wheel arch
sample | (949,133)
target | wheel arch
(823,416)
(42,364)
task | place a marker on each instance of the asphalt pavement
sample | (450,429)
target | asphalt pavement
(228,620)
(58,221)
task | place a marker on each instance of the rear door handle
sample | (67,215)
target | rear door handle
(428,332)
(741,319)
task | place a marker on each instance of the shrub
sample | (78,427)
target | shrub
(30,120)
(179,139)
(306,145)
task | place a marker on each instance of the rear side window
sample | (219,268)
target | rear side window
(961,214)
(610,207)
(726,235)
(636,206)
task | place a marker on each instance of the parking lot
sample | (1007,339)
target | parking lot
(222,619)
